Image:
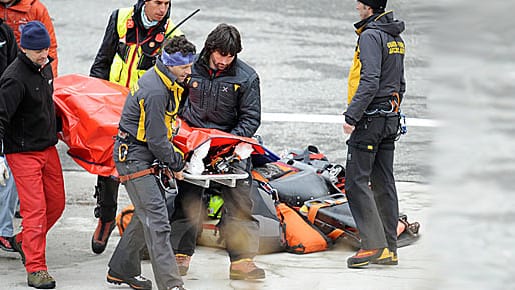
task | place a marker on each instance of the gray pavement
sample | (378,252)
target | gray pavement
(74,266)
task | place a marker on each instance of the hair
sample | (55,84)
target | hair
(179,43)
(225,39)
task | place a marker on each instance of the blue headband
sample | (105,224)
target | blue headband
(176,58)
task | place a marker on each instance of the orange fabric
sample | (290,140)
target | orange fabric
(189,138)
(124,218)
(299,237)
(90,109)
(28,10)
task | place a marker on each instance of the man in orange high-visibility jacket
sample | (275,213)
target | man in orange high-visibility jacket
(17,13)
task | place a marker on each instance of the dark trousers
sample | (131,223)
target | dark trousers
(106,192)
(149,227)
(238,227)
(370,184)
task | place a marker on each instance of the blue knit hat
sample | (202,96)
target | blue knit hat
(34,36)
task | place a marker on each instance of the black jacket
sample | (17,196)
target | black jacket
(27,114)
(229,101)
(111,43)
(381,54)
(8,46)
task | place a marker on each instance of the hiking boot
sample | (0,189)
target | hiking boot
(6,244)
(136,282)
(40,280)
(394,260)
(365,257)
(183,263)
(17,248)
(245,269)
(101,236)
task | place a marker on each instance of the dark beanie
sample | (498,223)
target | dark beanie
(374,4)
(34,36)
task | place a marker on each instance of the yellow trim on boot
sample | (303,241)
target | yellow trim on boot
(242,260)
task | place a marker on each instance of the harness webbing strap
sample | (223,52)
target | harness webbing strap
(135,175)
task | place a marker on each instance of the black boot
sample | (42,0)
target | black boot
(106,193)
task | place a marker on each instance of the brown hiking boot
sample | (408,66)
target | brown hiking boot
(183,263)
(17,247)
(365,257)
(245,269)
(136,282)
(40,280)
(101,236)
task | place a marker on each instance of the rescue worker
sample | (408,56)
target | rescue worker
(8,194)
(17,13)
(132,41)
(224,94)
(29,133)
(145,134)
(375,91)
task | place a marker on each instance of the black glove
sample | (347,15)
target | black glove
(178,162)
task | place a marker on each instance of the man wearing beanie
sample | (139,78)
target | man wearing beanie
(28,131)
(132,41)
(375,90)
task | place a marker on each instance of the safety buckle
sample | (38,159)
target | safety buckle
(123,149)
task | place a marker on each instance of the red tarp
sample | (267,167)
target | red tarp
(90,110)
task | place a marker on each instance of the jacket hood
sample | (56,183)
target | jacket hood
(139,6)
(384,22)
(21,5)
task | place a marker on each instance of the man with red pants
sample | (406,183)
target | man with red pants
(29,134)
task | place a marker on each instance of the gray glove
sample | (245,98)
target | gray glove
(4,173)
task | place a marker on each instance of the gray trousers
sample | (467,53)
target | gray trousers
(370,159)
(149,226)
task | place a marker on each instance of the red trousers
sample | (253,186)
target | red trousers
(39,180)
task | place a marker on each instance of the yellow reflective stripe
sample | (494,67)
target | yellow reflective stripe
(172,86)
(140,135)
(236,87)
(178,150)
(121,25)
(354,76)
(169,120)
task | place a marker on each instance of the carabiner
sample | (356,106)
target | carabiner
(122,152)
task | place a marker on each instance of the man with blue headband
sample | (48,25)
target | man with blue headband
(145,133)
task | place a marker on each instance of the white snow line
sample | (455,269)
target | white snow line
(311,118)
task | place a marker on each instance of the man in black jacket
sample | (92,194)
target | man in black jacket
(376,89)
(131,44)
(224,94)
(29,134)
(8,194)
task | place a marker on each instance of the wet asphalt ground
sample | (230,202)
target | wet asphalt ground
(459,70)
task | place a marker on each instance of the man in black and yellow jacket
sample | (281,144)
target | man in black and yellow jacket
(131,44)
(376,88)
(145,135)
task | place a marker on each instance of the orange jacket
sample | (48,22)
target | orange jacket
(25,11)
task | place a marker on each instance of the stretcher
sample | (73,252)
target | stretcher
(227,179)
(332,215)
